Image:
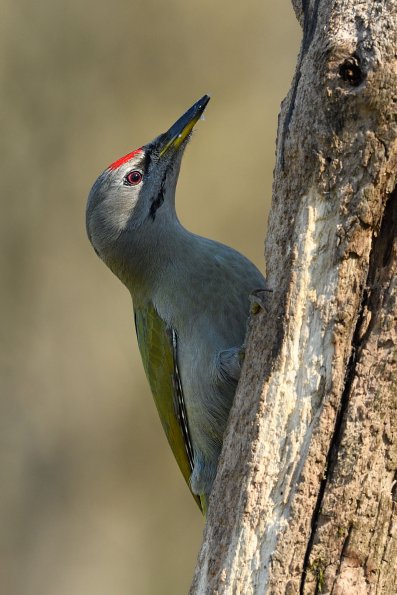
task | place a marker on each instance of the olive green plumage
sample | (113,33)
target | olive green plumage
(155,342)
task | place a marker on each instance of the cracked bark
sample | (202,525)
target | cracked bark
(305,497)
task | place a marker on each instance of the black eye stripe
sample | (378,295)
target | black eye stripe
(148,161)
(158,200)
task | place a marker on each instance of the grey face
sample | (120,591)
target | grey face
(113,199)
(129,194)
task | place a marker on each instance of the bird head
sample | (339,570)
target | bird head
(134,196)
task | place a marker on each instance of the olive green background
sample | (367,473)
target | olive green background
(91,501)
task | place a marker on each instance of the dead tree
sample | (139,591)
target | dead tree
(305,497)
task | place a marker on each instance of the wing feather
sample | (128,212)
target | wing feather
(158,344)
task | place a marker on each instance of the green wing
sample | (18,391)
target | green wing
(158,346)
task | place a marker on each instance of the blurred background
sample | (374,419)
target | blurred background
(91,501)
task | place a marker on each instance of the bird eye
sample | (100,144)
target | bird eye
(133,178)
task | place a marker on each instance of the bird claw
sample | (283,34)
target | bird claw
(259,300)
(241,355)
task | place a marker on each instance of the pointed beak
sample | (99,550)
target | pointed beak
(174,137)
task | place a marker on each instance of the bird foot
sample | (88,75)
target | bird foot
(259,300)
(241,355)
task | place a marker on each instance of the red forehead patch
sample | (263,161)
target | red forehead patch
(122,160)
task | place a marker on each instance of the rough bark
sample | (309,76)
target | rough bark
(305,497)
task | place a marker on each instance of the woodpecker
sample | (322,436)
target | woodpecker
(190,297)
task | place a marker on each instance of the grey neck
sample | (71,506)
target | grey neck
(141,256)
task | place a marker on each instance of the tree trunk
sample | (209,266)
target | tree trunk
(305,497)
